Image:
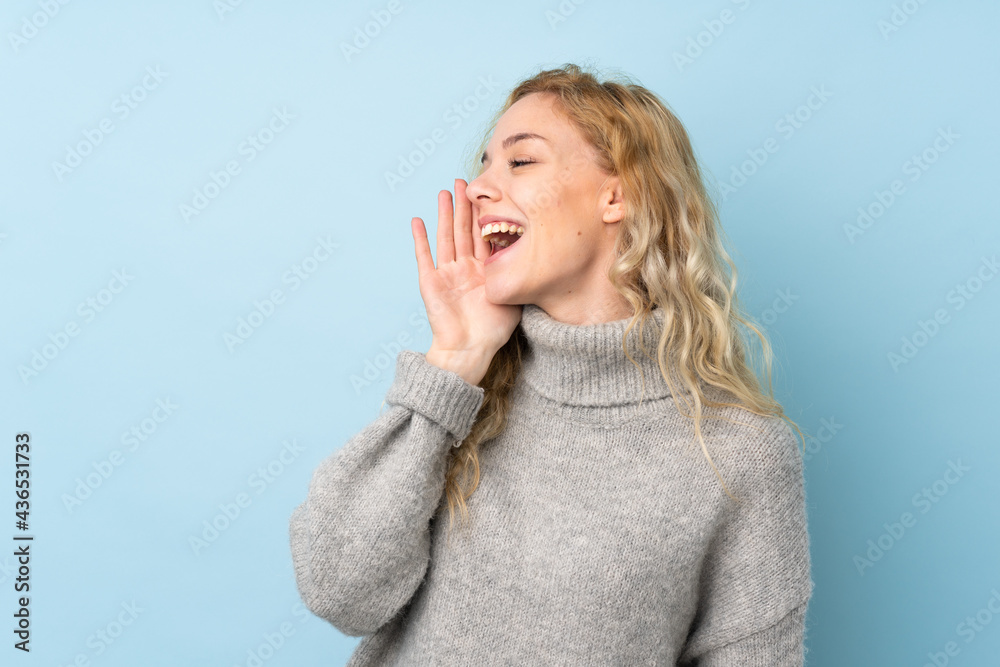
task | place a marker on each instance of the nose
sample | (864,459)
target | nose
(482,189)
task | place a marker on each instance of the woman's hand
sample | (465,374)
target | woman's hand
(467,330)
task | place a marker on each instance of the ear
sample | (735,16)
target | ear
(611,200)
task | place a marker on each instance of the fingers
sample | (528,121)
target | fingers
(456,233)
(446,229)
(425,262)
(463,221)
(481,247)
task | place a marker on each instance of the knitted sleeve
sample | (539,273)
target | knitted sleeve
(780,645)
(755,584)
(360,542)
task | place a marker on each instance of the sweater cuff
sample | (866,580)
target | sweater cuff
(442,396)
(780,645)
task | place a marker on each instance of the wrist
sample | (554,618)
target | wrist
(470,365)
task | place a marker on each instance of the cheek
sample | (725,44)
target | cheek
(561,251)
(539,202)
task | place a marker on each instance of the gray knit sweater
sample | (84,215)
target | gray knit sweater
(600,535)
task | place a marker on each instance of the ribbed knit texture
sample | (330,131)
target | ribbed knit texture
(600,534)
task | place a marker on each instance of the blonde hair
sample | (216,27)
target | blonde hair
(668,253)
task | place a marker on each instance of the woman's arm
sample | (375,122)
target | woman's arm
(780,645)
(756,583)
(360,541)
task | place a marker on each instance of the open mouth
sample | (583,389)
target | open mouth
(502,235)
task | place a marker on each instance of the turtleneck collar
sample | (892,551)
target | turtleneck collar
(584,365)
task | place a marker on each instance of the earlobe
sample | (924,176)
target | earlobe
(615,207)
(614,214)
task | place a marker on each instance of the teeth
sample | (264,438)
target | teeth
(499,227)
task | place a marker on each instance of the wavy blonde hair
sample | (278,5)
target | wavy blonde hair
(668,253)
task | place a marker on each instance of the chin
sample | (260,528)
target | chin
(501,294)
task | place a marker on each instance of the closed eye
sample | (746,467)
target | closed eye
(518,163)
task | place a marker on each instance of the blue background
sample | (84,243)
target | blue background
(837,304)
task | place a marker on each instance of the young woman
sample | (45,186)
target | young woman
(629,493)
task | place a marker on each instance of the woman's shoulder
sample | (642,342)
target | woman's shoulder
(759,448)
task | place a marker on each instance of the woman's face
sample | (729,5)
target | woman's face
(551,185)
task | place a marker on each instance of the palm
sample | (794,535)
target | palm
(454,292)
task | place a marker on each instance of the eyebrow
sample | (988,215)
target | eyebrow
(513,139)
